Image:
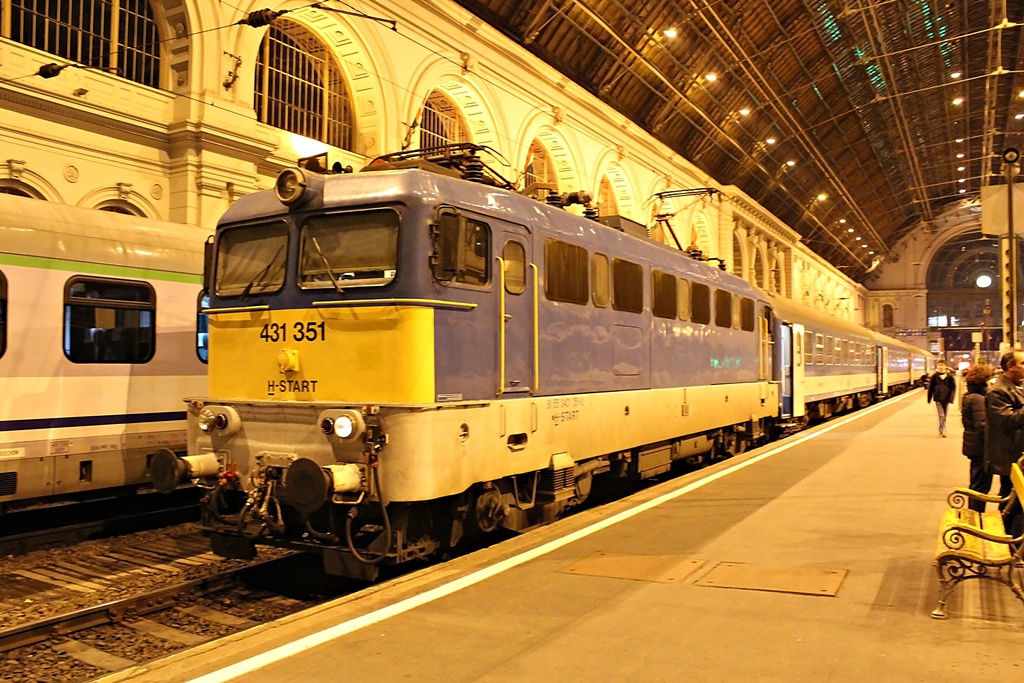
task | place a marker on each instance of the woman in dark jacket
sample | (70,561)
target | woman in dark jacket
(972,412)
(942,390)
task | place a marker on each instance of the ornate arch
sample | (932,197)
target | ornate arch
(17,176)
(621,185)
(120,195)
(563,152)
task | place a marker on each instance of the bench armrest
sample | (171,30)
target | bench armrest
(959,497)
(953,537)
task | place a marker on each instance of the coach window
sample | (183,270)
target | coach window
(723,308)
(700,300)
(808,348)
(514,256)
(627,286)
(845,353)
(599,279)
(663,294)
(3,314)
(838,357)
(109,321)
(683,288)
(251,260)
(747,314)
(203,327)
(819,349)
(565,272)
(828,350)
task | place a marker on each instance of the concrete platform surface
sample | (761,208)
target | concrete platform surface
(860,497)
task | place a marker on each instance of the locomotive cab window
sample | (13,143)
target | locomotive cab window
(351,249)
(3,314)
(203,327)
(700,300)
(565,272)
(663,294)
(514,256)
(599,280)
(627,286)
(747,314)
(251,260)
(462,251)
(109,321)
(723,308)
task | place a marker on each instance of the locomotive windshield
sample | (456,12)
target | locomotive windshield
(251,260)
(356,248)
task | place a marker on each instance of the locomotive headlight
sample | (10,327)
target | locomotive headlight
(346,424)
(219,420)
(206,419)
(290,185)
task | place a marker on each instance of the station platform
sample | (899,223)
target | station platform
(831,534)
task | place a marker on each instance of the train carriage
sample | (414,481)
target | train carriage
(98,318)
(403,356)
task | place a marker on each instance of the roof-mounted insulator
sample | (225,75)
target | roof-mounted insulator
(474,167)
(261,17)
(554,199)
(590,212)
(50,70)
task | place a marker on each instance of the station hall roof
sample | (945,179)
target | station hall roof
(895,111)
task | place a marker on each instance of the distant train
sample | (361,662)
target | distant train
(400,357)
(98,342)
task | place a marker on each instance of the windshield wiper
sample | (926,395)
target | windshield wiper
(258,278)
(327,265)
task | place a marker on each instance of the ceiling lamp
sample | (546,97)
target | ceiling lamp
(959,139)
(963,191)
(1018,116)
(960,155)
(710,78)
(670,33)
(849,230)
(955,74)
(842,220)
(958,100)
(822,197)
(744,112)
(961,168)
(790,163)
(770,141)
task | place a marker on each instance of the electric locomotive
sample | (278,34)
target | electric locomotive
(401,357)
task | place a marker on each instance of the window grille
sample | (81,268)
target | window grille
(539,169)
(441,122)
(116,35)
(301,88)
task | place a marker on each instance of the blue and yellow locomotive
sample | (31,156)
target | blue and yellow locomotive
(401,356)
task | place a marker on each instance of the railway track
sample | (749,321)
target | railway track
(75,614)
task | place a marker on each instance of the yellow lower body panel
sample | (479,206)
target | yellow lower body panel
(379,354)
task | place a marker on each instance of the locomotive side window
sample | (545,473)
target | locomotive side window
(663,294)
(514,256)
(700,300)
(808,348)
(251,260)
(736,311)
(627,286)
(360,249)
(109,321)
(747,314)
(819,349)
(599,279)
(3,314)
(203,327)
(684,299)
(565,272)
(723,308)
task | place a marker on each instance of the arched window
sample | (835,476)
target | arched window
(539,172)
(123,208)
(606,204)
(441,122)
(759,274)
(17,191)
(300,86)
(887,320)
(83,31)
(737,256)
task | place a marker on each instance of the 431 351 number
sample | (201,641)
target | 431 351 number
(279,332)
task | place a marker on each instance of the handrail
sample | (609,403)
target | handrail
(432,303)
(236,309)
(536,332)
(501,325)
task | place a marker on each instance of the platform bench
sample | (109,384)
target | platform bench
(975,545)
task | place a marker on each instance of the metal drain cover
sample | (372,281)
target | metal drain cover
(760,577)
(659,568)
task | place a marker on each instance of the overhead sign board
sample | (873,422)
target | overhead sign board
(993,210)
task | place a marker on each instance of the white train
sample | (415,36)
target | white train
(98,343)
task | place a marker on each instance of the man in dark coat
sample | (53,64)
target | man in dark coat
(1004,413)
(972,413)
(942,390)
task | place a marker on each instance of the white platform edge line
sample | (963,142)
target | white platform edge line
(313,640)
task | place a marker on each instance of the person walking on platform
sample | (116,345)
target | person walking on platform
(942,390)
(972,413)
(1004,420)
